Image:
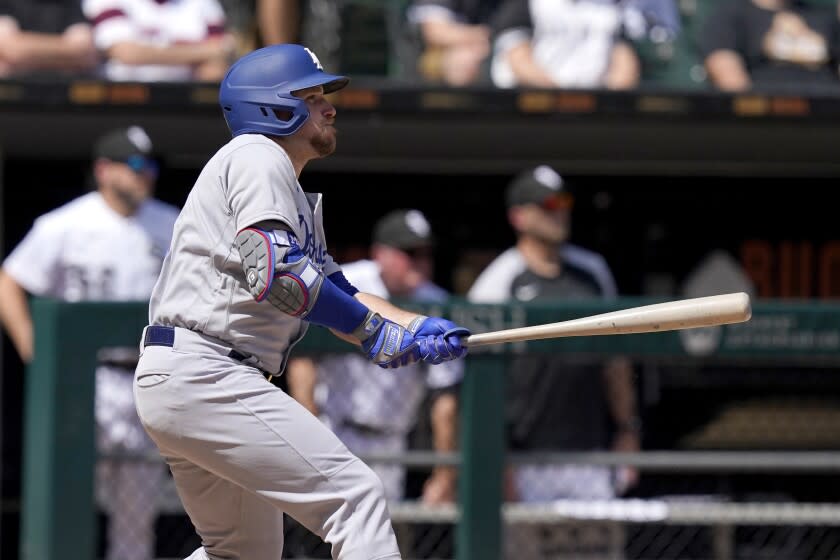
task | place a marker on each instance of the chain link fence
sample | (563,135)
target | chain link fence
(676,527)
(142,518)
(690,505)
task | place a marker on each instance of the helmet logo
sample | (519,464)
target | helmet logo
(314,58)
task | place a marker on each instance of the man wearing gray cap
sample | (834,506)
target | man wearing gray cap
(371,412)
(555,403)
(106,245)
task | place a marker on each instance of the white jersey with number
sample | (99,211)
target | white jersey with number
(351,388)
(202,285)
(84,250)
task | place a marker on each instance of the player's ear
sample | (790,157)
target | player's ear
(101,167)
(377,251)
(516,217)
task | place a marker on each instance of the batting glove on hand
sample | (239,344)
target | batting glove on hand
(439,340)
(386,343)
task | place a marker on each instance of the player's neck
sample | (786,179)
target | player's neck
(543,259)
(116,203)
(296,151)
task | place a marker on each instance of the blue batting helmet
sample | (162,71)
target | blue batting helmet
(256,93)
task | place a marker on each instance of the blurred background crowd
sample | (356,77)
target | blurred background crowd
(617,44)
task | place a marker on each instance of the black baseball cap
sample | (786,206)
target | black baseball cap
(540,185)
(122,144)
(403,229)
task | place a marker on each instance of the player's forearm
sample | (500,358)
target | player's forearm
(278,21)
(624,69)
(185,54)
(444,420)
(302,376)
(727,71)
(621,395)
(386,309)
(526,69)
(32,51)
(15,316)
(442,33)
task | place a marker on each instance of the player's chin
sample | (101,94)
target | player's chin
(324,144)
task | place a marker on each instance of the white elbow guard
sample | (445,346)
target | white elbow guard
(277,270)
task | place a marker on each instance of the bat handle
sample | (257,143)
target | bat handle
(472,341)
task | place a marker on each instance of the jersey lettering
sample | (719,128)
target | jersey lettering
(87,284)
(314,250)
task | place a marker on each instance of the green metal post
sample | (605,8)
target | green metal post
(58,518)
(482,453)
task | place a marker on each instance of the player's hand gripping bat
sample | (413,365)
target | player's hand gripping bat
(668,316)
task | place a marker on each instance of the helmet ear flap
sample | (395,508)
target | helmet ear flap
(281,116)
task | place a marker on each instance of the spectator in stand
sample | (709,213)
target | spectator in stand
(454,37)
(161,40)
(574,43)
(44,36)
(748,43)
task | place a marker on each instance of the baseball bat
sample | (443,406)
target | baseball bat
(669,316)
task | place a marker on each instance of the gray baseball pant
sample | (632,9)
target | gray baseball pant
(242,453)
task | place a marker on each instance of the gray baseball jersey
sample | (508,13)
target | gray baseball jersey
(204,289)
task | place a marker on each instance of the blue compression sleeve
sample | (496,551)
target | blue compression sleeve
(343,284)
(336,309)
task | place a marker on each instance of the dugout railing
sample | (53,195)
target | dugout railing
(58,510)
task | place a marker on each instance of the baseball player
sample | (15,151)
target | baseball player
(247,272)
(371,412)
(556,402)
(106,245)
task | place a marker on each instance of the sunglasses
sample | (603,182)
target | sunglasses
(140,164)
(554,202)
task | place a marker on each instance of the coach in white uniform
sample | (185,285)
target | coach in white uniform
(247,273)
(371,412)
(107,245)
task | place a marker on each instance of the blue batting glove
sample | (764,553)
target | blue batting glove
(386,343)
(433,326)
(439,340)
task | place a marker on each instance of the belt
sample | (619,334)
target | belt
(158,335)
